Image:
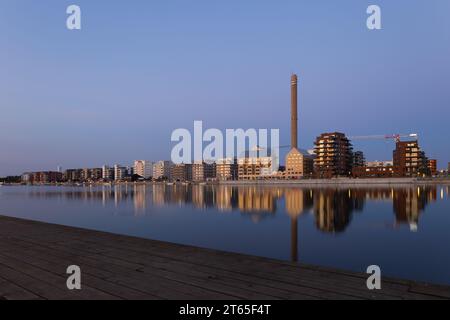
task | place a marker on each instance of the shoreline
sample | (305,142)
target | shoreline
(339,182)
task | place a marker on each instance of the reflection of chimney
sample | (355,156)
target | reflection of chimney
(294,121)
(294,239)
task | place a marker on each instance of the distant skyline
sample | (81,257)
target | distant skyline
(114,91)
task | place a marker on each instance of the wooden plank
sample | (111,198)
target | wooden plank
(10,291)
(242,282)
(34,255)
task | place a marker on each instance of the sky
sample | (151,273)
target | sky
(114,91)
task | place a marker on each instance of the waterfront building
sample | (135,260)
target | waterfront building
(377,163)
(143,168)
(359,160)
(227,169)
(26,177)
(374,169)
(120,172)
(107,173)
(95,174)
(161,170)
(181,172)
(198,172)
(202,171)
(299,164)
(334,155)
(254,168)
(432,167)
(42,177)
(409,160)
(73,175)
(373,172)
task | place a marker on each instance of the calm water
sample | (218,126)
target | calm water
(406,231)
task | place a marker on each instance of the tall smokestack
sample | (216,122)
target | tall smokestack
(294,111)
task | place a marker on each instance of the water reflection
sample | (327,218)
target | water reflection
(333,208)
(270,221)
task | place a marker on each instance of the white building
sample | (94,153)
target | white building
(107,173)
(120,172)
(253,168)
(376,163)
(143,168)
(161,169)
(227,169)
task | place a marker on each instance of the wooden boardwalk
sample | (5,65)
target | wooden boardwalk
(34,257)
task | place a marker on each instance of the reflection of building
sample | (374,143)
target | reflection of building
(297,201)
(255,199)
(198,196)
(225,198)
(143,168)
(159,193)
(409,160)
(333,155)
(333,209)
(139,193)
(409,203)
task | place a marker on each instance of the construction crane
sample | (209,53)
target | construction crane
(396,137)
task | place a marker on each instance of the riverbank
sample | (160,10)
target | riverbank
(34,257)
(343,182)
(339,182)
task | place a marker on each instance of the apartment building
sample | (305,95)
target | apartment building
(73,175)
(254,168)
(334,155)
(143,168)
(359,160)
(409,160)
(432,167)
(161,170)
(227,169)
(203,171)
(120,172)
(181,172)
(42,177)
(299,164)
(107,173)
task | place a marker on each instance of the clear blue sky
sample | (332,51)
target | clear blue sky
(114,91)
